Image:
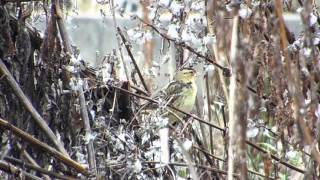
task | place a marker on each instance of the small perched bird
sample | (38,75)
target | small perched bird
(180,93)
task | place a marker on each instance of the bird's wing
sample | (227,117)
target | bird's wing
(170,93)
(165,94)
(173,91)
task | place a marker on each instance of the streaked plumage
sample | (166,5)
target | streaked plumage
(181,93)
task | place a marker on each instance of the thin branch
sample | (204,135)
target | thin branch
(35,37)
(11,169)
(112,9)
(28,105)
(276,158)
(19,1)
(27,137)
(208,153)
(184,45)
(224,161)
(295,91)
(212,125)
(85,117)
(195,165)
(226,71)
(83,106)
(27,156)
(133,59)
(156,102)
(38,169)
(62,28)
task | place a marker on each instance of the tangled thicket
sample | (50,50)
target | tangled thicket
(258,118)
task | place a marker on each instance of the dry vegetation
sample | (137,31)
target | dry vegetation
(256,117)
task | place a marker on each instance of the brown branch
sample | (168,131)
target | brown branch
(35,37)
(224,161)
(156,102)
(208,153)
(19,1)
(11,169)
(133,60)
(38,169)
(226,71)
(27,156)
(85,117)
(184,45)
(62,28)
(211,125)
(292,74)
(195,165)
(27,104)
(112,9)
(276,158)
(207,168)
(83,106)
(27,137)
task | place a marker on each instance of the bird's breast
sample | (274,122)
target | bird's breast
(188,98)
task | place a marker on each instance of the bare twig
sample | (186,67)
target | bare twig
(62,28)
(195,165)
(31,160)
(214,126)
(19,1)
(225,70)
(208,153)
(182,44)
(148,43)
(209,110)
(84,110)
(27,137)
(276,158)
(292,75)
(112,9)
(133,59)
(11,169)
(38,169)
(90,147)
(156,102)
(27,104)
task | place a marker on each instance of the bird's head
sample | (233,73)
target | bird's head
(185,75)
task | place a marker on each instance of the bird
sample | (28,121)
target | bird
(180,93)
